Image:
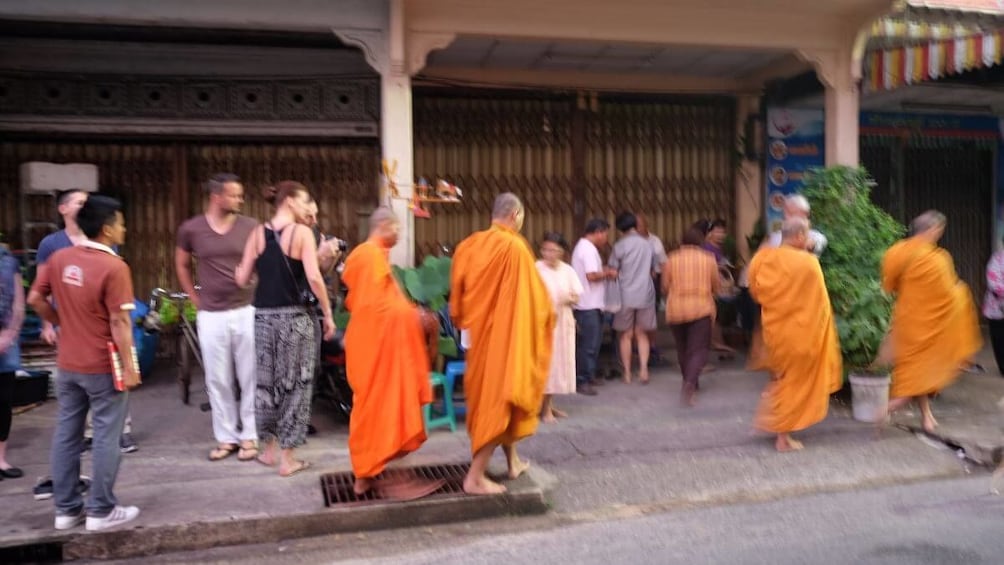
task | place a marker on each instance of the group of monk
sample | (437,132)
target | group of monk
(934,328)
(499,300)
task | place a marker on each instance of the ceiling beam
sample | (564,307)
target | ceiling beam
(778,24)
(786,67)
(576,80)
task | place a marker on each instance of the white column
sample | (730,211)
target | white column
(842,121)
(840,72)
(396,146)
(385,51)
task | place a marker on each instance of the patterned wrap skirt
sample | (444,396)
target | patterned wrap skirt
(286,352)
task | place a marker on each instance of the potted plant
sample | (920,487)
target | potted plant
(427,285)
(859,233)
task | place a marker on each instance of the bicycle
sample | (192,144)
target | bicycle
(188,339)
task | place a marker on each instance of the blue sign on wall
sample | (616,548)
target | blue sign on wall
(794,145)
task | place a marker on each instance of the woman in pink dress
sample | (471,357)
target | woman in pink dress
(564,287)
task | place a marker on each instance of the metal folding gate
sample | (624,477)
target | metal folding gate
(160,185)
(953,176)
(570,159)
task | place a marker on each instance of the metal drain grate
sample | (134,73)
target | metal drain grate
(337,487)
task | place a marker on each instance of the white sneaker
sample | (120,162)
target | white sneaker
(119,515)
(67,521)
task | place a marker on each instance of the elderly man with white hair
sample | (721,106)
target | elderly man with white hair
(797,206)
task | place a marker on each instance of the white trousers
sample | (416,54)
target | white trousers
(227,342)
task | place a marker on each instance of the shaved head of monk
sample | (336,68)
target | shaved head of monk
(385,226)
(508,211)
(795,232)
(929,226)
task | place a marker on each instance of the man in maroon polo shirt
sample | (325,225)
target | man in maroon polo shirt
(93,287)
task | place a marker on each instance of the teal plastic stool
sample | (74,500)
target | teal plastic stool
(455,370)
(448,418)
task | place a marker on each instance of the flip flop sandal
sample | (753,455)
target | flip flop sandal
(247,453)
(304,465)
(222,452)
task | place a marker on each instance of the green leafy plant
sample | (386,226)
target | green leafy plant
(427,285)
(859,233)
(755,237)
(169,314)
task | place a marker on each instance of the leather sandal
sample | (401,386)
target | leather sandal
(248,451)
(223,451)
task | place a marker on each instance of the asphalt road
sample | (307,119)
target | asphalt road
(951,522)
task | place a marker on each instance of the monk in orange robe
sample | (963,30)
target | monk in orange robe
(386,360)
(497,295)
(802,350)
(934,324)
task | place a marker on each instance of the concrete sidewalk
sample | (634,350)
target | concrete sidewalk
(630,450)
(970,414)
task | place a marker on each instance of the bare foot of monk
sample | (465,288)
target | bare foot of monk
(929,423)
(786,443)
(548,417)
(517,467)
(559,413)
(643,377)
(362,486)
(627,378)
(482,485)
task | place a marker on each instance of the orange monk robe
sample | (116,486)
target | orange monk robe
(497,294)
(802,350)
(934,324)
(386,361)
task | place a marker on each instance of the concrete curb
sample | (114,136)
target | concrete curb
(526,496)
(979,451)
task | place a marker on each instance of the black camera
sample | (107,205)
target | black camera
(343,246)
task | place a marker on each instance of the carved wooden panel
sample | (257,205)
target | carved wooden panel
(334,99)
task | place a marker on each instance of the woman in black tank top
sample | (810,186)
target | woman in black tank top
(283,254)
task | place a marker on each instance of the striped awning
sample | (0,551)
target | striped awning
(886,69)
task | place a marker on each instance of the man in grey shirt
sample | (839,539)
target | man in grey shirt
(634,260)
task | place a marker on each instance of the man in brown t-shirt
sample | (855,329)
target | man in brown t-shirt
(216,241)
(93,287)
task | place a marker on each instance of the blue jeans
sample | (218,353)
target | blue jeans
(76,393)
(588,338)
(10,360)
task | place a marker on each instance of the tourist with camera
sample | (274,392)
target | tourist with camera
(283,253)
